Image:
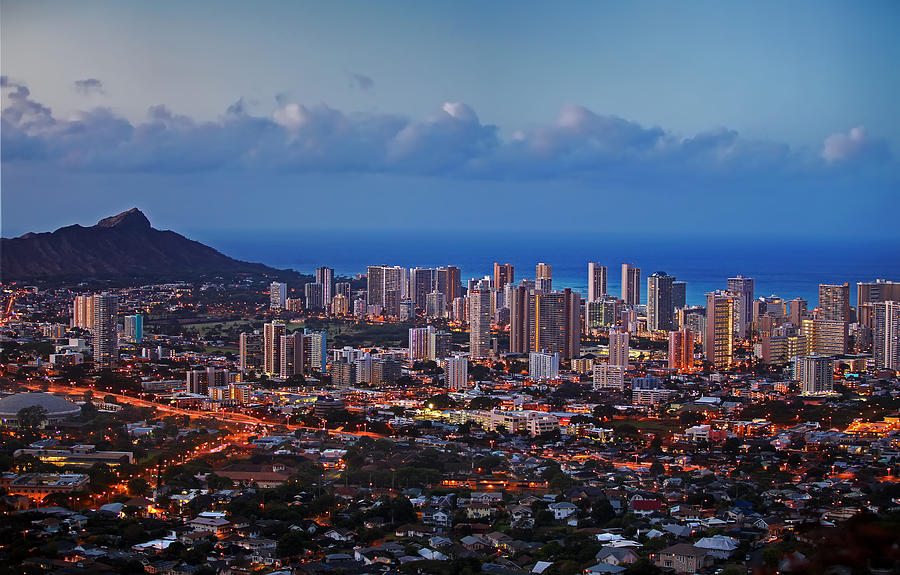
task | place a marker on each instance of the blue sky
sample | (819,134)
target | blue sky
(648,117)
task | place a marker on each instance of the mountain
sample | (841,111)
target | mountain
(120,246)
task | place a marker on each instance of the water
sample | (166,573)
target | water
(788,268)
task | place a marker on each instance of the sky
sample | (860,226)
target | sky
(775,119)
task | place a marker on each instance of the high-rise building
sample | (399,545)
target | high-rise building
(343,288)
(480,320)
(554,322)
(503,274)
(325,276)
(602,313)
(887,335)
(797,310)
(421,283)
(419,342)
(631,284)
(340,305)
(834,302)
(815,374)
(877,291)
(250,351)
(660,310)
(543,365)
(317,348)
(618,347)
(681,350)
(314,295)
(448,283)
(272,333)
(679,294)
(609,376)
(718,343)
(543,277)
(435,306)
(386,287)
(83,312)
(134,328)
(824,336)
(596,281)
(292,354)
(456,372)
(106,330)
(277,295)
(742,288)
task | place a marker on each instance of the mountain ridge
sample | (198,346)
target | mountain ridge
(118,246)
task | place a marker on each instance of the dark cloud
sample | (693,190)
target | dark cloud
(297,138)
(89,86)
(361,82)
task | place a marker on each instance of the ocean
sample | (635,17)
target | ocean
(788,268)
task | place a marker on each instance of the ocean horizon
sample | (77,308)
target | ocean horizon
(788,268)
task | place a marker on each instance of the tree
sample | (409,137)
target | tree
(32,417)
(138,486)
(217,482)
(657,468)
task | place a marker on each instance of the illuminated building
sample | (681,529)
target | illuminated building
(456,372)
(797,309)
(834,302)
(419,342)
(877,291)
(421,283)
(503,274)
(660,309)
(277,295)
(608,376)
(318,349)
(480,320)
(602,313)
(106,331)
(325,277)
(681,350)
(719,341)
(83,312)
(815,374)
(407,310)
(824,337)
(597,275)
(386,287)
(543,277)
(435,305)
(272,333)
(631,284)
(343,288)
(448,283)
(340,305)
(199,381)
(292,354)
(134,328)
(780,349)
(742,288)
(543,365)
(618,347)
(250,351)
(887,335)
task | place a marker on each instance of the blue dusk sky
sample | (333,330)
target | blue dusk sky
(753,119)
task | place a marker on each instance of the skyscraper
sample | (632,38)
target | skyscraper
(316,346)
(292,358)
(543,365)
(797,310)
(449,283)
(272,333)
(681,350)
(435,306)
(503,274)
(325,276)
(421,283)
(343,288)
(419,341)
(815,373)
(718,344)
(134,328)
(631,284)
(742,287)
(106,332)
(385,287)
(83,312)
(618,348)
(596,281)
(480,320)
(679,294)
(834,302)
(315,296)
(545,321)
(250,351)
(824,336)
(660,310)
(543,277)
(456,372)
(277,295)
(887,335)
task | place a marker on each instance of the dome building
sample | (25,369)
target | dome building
(57,408)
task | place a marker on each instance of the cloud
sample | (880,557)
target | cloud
(854,145)
(89,86)
(452,142)
(361,82)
